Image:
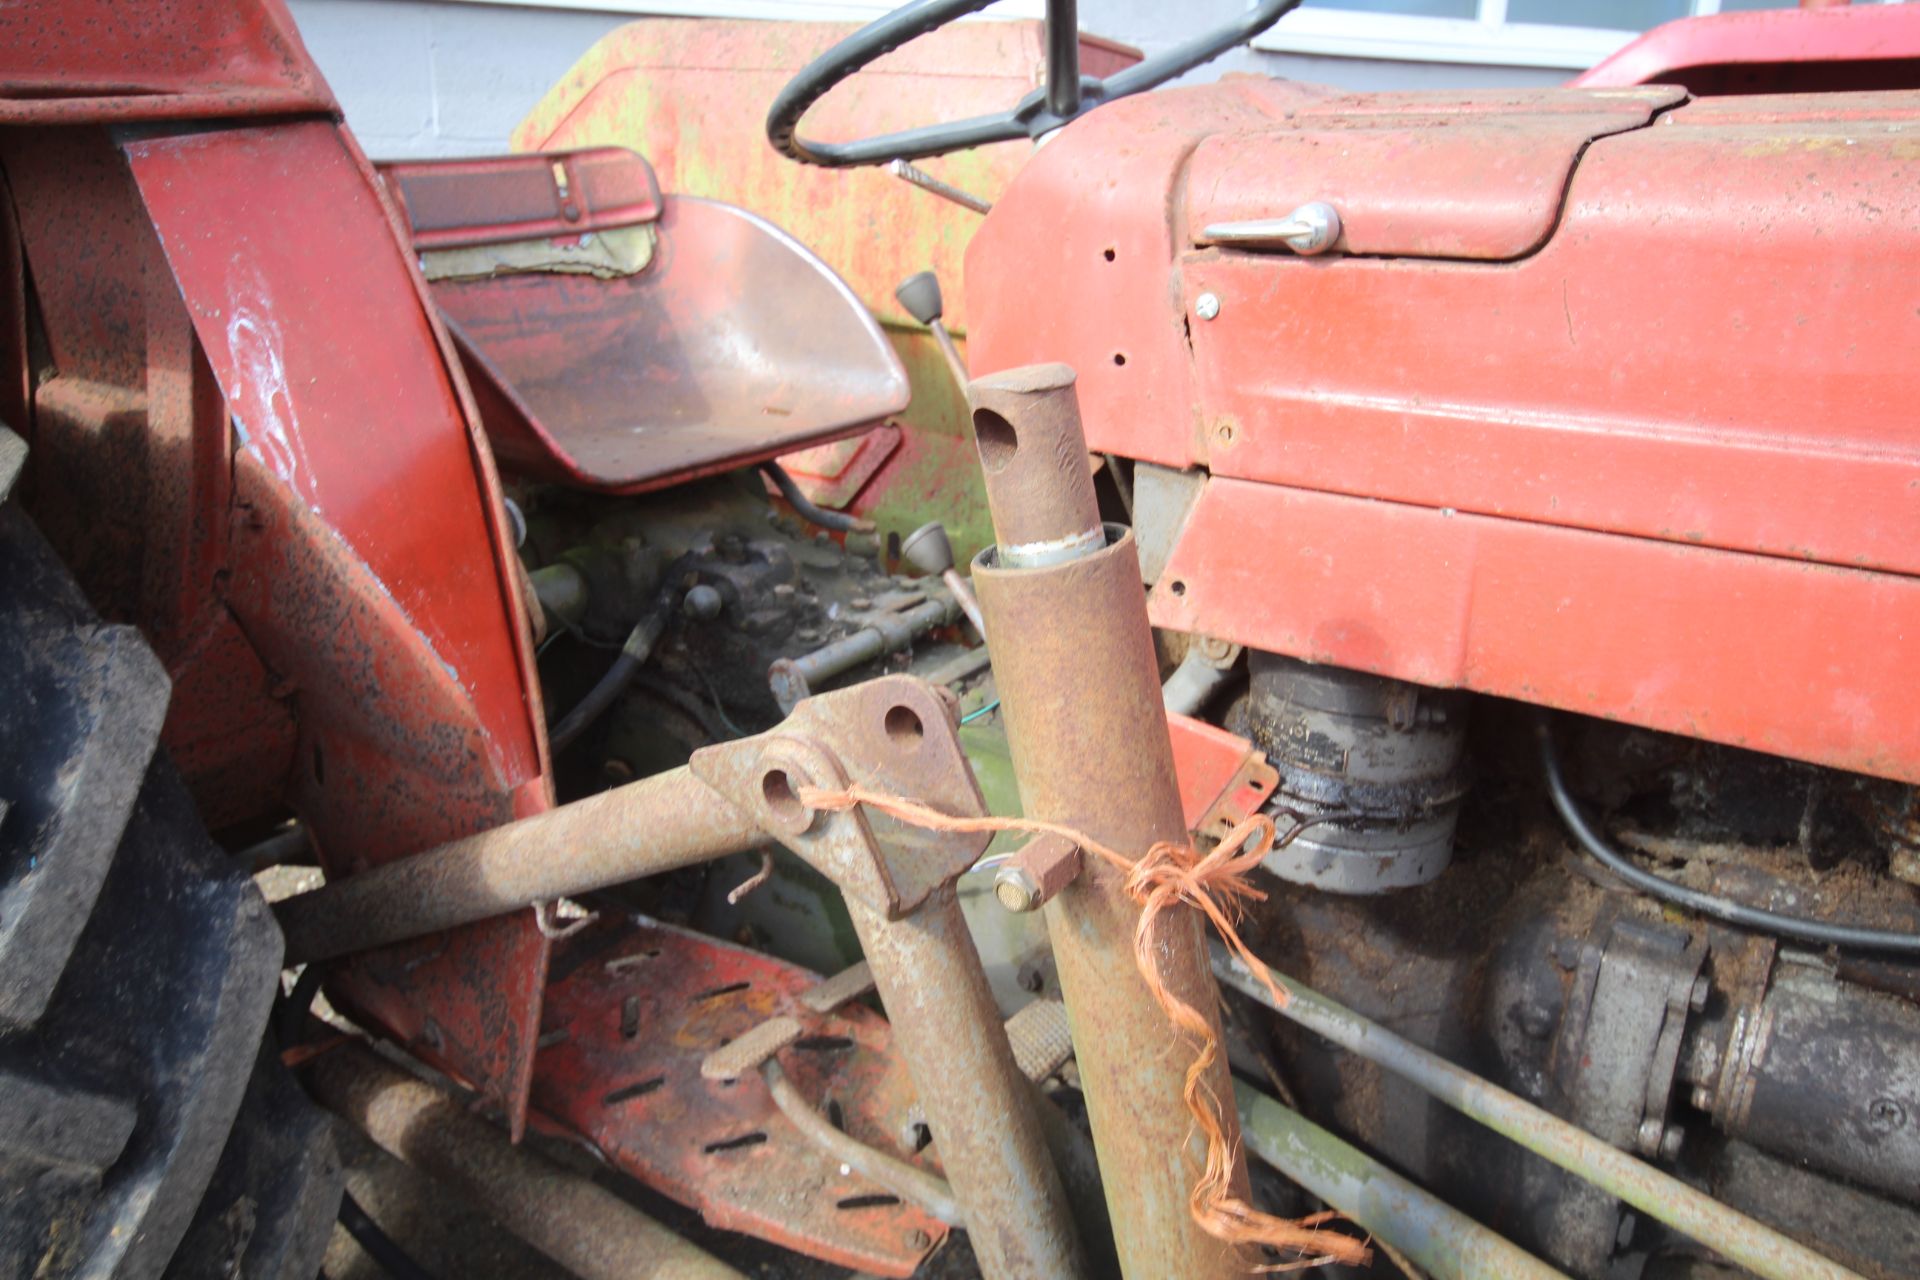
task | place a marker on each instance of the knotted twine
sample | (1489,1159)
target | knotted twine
(1169,875)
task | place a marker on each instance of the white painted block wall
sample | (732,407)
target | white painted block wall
(452,77)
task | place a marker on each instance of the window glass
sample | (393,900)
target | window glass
(1404,8)
(1619,15)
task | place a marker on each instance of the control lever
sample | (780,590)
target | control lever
(920,295)
(929,550)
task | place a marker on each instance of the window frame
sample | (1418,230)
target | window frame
(787,10)
(1488,39)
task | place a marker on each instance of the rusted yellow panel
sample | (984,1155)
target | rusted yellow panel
(692,96)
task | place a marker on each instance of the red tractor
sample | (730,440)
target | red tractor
(1458,550)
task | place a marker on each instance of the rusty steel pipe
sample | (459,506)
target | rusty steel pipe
(1073,659)
(657,824)
(1026,425)
(1750,1243)
(583,1227)
(978,1104)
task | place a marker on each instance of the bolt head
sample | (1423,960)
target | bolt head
(1016,889)
(1207,306)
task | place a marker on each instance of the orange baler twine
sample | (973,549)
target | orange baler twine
(1168,875)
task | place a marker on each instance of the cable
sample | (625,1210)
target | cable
(1837,935)
(291,1020)
(632,656)
(379,1246)
(977,712)
(838,521)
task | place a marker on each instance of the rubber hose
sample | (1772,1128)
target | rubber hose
(1761,921)
(838,521)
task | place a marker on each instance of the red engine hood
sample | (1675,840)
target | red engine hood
(1616,318)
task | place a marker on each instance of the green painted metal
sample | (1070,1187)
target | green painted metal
(1443,1241)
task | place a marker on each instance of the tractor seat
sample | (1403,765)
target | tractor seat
(620,341)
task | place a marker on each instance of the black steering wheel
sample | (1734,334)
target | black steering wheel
(1065,95)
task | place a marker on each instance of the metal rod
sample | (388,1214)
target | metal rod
(1073,660)
(793,679)
(291,845)
(945,190)
(904,1180)
(580,1225)
(1441,1239)
(980,1107)
(963,596)
(955,365)
(1063,57)
(1741,1239)
(657,824)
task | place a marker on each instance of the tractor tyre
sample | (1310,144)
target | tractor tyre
(144,1129)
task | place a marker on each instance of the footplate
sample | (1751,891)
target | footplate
(632,1011)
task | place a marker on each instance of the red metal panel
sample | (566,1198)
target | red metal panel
(630,1019)
(1473,175)
(1224,779)
(1773,51)
(79,61)
(451,203)
(131,471)
(366,565)
(1716,347)
(1713,349)
(1073,262)
(1801,660)
(734,345)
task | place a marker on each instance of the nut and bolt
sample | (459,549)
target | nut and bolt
(1207,306)
(1016,889)
(1043,867)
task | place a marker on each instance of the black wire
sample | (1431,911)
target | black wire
(1798,927)
(377,1244)
(812,513)
(626,664)
(291,1021)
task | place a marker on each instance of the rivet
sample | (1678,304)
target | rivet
(1207,306)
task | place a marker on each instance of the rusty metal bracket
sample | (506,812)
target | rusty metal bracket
(899,736)
(893,734)
(896,735)
(1224,778)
